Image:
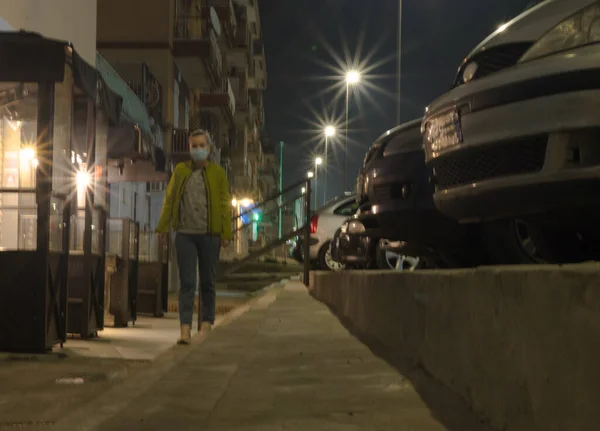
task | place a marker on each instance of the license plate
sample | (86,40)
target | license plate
(444,131)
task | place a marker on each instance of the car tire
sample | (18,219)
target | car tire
(383,262)
(326,262)
(516,241)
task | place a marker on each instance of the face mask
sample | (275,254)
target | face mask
(199,154)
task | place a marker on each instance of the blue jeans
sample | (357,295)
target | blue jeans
(201,250)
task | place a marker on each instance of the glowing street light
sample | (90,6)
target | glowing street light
(329,131)
(310,174)
(352,78)
(318,161)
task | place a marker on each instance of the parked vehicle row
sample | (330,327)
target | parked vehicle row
(502,169)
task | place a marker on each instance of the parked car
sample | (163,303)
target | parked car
(363,252)
(323,225)
(396,202)
(515,143)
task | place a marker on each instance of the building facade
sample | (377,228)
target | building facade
(197,64)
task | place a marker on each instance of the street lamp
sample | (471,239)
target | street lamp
(318,162)
(329,132)
(352,78)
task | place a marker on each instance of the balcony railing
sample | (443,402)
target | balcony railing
(223,88)
(180,142)
(226,165)
(189,27)
(258,48)
(148,89)
(196,28)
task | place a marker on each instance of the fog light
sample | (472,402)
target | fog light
(406,191)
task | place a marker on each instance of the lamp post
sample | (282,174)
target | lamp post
(311,175)
(399,59)
(280,186)
(318,162)
(329,132)
(352,77)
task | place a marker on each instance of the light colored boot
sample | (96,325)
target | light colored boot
(205,328)
(186,335)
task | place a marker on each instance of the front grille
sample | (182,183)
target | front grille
(495,59)
(510,158)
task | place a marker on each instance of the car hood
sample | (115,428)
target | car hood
(531,25)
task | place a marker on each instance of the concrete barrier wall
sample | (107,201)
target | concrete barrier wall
(520,344)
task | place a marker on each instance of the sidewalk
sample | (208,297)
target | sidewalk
(285,364)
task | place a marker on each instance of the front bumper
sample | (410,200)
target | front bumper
(528,140)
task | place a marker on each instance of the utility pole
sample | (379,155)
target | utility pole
(399,60)
(280,186)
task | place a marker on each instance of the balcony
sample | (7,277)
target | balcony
(196,50)
(219,97)
(226,13)
(146,87)
(258,48)
(243,36)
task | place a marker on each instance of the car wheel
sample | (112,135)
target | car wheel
(517,241)
(326,261)
(397,262)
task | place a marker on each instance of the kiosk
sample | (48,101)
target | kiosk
(40,81)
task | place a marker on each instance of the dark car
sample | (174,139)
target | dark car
(514,145)
(396,200)
(362,252)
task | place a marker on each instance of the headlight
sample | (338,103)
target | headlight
(356,227)
(344,228)
(469,72)
(580,29)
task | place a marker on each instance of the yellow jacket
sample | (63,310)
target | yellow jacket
(218,199)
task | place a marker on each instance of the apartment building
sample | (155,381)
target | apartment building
(197,64)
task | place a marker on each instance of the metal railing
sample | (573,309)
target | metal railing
(224,88)
(261,227)
(189,27)
(179,141)
(149,90)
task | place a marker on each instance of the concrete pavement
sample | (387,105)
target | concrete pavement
(284,362)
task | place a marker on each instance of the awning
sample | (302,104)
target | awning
(30,57)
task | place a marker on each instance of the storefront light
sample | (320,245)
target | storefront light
(83,179)
(28,153)
(234,203)
(246,202)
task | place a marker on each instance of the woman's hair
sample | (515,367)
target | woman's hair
(209,139)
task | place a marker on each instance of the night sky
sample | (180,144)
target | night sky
(300,38)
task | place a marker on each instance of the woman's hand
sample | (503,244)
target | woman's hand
(225,243)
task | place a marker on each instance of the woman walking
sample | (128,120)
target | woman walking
(197,207)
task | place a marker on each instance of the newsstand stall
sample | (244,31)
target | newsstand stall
(36,177)
(153,275)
